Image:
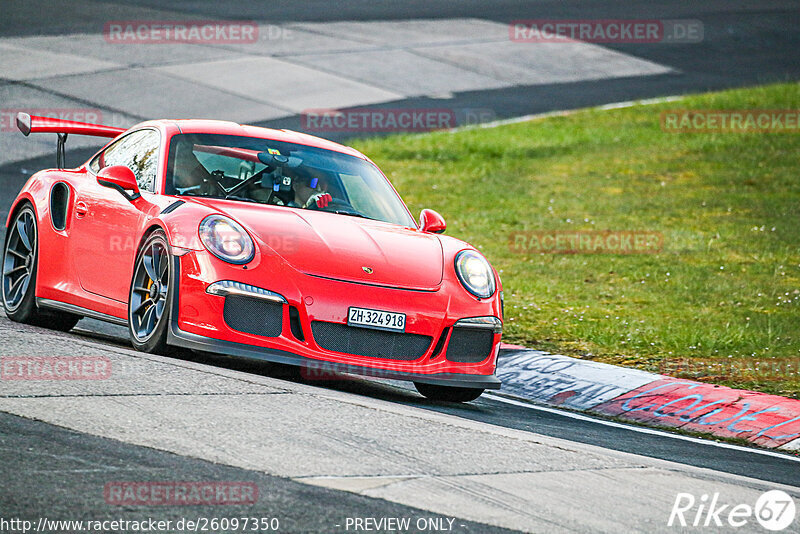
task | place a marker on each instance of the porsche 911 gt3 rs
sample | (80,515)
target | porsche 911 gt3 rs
(251,242)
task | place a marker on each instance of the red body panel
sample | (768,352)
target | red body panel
(322,263)
(329,245)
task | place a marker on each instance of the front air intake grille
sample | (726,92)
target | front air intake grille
(254,316)
(370,343)
(470,345)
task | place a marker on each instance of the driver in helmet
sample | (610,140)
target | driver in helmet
(310,191)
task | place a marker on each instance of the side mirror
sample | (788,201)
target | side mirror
(121,178)
(432,222)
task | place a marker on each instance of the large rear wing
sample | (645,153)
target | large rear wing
(28,124)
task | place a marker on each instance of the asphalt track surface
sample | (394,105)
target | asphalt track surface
(223,419)
(60,474)
(55,469)
(487,409)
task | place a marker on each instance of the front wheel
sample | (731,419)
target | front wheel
(448,393)
(151,295)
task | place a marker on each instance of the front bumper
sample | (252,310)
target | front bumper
(197,323)
(179,338)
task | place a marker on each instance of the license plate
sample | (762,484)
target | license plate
(381,320)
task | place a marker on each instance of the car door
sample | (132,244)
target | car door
(106,224)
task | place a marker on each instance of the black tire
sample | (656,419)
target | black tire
(20,265)
(150,296)
(448,393)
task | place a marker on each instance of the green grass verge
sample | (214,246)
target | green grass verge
(727,281)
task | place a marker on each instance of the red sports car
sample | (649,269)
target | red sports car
(259,243)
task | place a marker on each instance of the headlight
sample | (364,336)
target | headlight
(226,239)
(475,274)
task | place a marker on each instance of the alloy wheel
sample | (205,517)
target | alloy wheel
(19,260)
(150,290)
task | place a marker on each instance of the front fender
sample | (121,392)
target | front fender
(182,228)
(181,225)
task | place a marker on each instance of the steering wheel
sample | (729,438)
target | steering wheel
(341,206)
(332,205)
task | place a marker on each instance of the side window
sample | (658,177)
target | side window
(137,151)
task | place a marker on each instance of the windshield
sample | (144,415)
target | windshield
(250,169)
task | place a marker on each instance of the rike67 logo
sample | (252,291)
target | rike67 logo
(774,511)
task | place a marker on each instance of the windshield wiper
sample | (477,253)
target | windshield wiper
(353,214)
(244,199)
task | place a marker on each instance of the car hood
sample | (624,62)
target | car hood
(342,247)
